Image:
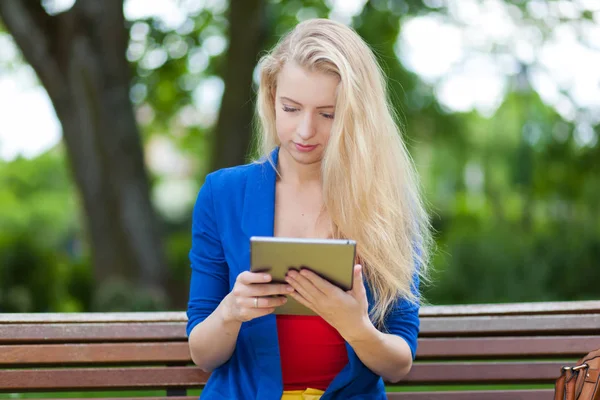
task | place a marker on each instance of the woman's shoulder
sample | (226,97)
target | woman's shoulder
(233,179)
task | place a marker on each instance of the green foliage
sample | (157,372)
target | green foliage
(166,91)
(118,295)
(39,266)
(513,197)
(505,263)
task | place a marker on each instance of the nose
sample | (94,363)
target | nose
(307,127)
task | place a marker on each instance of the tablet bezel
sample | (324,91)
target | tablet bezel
(335,259)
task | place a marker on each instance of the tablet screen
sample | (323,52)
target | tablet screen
(332,259)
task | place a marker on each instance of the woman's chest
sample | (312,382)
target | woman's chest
(300,214)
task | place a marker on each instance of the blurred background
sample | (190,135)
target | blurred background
(112,112)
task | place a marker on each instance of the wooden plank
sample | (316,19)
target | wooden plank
(564,307)
(484,373)
(511,325)
(443,326)
(161,377)
(101,378)
(97,332)
(97,353)
(537,308)
(506,347)
(127,398)
(541,394)
(163,352)
(63,318)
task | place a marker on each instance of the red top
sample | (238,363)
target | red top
(312,352)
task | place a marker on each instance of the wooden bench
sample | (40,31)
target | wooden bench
(460,346)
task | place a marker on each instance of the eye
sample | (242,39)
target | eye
(289,109)
(328,116)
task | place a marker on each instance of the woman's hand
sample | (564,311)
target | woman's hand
(253,296)
(346,311)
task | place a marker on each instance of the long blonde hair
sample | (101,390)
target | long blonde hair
(370,186)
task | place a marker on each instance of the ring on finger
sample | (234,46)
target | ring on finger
(256,302)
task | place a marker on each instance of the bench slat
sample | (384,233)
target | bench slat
(135,378)
(506,347)
(537,308)
(96,353)
(101,378)
(541,394)
(511,325)
(127,398)
(97,332)
(484,373)
(164,352)
(92,317)
(443,326)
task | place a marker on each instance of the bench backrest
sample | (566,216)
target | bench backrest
(459,345)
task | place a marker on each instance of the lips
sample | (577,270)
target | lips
(305,148)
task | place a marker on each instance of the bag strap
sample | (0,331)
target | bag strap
(559,388)
(581,372)
(570,385)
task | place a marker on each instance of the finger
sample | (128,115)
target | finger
(242,303)
(303,286)
(247,306)
(358,286)
(300,299)
(267,289)
(264,302)
(248,277)
(321,284)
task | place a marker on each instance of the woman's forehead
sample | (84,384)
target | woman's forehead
(307,87)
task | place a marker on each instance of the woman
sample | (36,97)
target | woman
(333,166)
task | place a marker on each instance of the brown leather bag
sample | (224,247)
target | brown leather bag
(581,382)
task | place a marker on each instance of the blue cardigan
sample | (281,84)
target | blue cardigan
(233,205)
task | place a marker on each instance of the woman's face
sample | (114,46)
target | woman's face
(304,111)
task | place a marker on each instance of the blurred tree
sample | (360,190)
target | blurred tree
(248,30)
(79,57)
(513,192)
(43,267)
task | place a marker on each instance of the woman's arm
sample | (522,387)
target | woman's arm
(389,355)
(215,314)
(385,354)
(211,337)
(213,340)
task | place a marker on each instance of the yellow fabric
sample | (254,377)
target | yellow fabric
(308,394)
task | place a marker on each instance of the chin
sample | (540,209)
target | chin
(307,158)
(309,162)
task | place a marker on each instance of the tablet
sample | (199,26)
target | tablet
(332,259)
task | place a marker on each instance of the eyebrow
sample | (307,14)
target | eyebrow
(295,102)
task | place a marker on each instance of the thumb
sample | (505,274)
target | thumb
(358,286)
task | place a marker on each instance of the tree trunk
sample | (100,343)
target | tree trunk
(79,56)
(247,34)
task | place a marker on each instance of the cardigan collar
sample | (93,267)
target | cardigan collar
(258,216)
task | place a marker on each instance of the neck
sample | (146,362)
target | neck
(295,173)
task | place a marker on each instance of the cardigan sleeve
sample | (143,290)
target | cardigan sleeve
(403,320)
(209,282)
